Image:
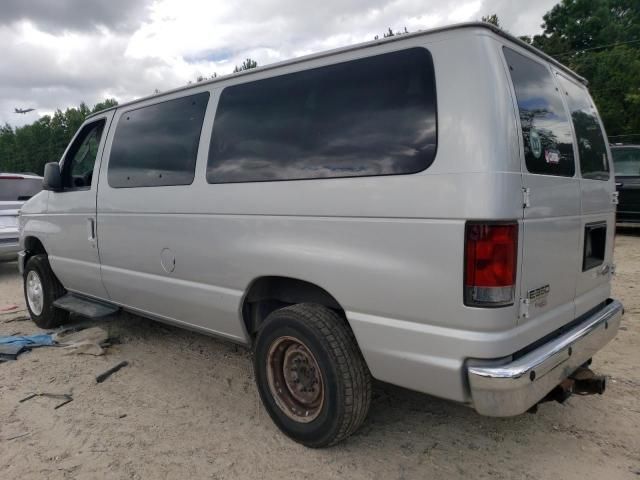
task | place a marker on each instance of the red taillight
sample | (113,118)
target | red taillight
(491,256)
(11,177)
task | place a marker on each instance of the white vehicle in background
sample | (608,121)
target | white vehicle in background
(434,210)
(15,189)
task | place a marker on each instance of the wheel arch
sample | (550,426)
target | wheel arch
(33,246)
(268,293)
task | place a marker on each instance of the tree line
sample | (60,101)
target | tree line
(598,39)
(26,149)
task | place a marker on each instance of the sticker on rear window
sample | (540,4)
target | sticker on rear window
(551,157)
(535,143)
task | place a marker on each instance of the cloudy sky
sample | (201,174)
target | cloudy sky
(57,53)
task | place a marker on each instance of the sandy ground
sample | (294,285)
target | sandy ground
(186,407)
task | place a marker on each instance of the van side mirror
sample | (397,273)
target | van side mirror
(52,177)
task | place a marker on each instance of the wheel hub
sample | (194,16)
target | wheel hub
(35,293)
(295,379)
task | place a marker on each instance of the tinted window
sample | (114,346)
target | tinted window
(77,172)
(14,188)
(592,149)
(157,145)
(546,132)
(373,116)
(626,161)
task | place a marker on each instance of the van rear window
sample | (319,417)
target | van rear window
(592,149)
(17,188)
(371,116)
(546,132)
(157,145)
(626,161)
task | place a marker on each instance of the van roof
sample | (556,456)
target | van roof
(359,46)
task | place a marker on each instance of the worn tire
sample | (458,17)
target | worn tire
(345,377)
(52,289)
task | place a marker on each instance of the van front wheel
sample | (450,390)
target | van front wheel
(41,289)
(311,375)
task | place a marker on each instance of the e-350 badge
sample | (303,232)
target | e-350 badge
(538,296)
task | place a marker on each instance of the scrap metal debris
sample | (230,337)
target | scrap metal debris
(88,341)
(103,376)
(66,397)
(22,318)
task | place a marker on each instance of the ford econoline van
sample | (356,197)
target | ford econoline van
(434,210)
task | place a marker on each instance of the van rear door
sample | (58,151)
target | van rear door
(597,187)
(551,227)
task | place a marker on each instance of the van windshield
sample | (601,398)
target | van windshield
(626,161)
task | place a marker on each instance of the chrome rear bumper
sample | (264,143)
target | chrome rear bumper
(503,390)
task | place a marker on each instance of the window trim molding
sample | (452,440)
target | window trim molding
(101,143)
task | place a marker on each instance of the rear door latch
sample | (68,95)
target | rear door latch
(526,197)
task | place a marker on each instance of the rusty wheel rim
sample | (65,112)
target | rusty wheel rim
(294,379)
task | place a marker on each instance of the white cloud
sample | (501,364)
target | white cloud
(86,54)
(465,12)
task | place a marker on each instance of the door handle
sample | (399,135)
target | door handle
(619,184)
(92,229)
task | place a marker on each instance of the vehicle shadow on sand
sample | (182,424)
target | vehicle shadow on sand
(404,418)
(8,270)
(628,231)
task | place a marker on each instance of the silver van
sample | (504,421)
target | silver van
(434,210)
(15,189)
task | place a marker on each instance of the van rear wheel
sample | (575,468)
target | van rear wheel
(41,289)
(311,375)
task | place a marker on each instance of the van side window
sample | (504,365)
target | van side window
(592,149)
(371,116)
(77,170)
(546,132)
(157,145)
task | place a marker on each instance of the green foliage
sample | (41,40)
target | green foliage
(492,19)
(391,33)
(202,78)
(600,40)
(108,103)
(199,78)
(28,148)
(248,64)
